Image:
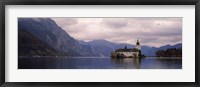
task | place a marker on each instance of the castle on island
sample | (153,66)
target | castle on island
(128,53)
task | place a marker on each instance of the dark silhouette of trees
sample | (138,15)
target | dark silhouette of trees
(172,52)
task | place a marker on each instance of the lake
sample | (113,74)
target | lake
(99,63)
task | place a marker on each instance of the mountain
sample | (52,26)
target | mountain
(104,48)
(148,51)
(151,51)
(29,45)
(46,30)
(42,36)
(179,45)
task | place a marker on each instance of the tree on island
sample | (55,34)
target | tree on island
(171,52)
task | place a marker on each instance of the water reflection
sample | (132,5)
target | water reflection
(135,61)
(99,63)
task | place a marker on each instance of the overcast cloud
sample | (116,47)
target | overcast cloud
(150,31)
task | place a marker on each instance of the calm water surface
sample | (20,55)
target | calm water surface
(99,63)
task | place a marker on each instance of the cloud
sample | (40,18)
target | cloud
(115,23)
(65,21)
(152,31)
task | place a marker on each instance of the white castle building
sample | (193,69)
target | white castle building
(128,53)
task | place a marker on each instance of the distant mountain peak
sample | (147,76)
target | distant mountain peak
(99,40)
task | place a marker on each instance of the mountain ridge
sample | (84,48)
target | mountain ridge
(48,32)
(108,47)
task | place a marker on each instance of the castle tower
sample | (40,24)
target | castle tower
(137,45)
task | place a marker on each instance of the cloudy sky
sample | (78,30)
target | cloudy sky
(150,31)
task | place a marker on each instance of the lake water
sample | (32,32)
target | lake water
(99,63)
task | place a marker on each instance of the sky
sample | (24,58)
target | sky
(151,31)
